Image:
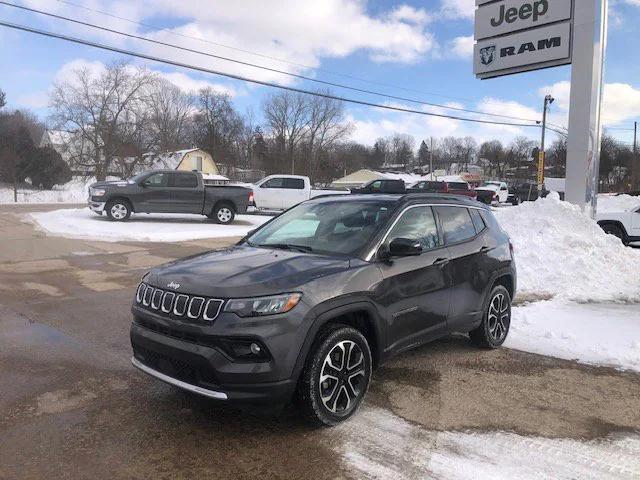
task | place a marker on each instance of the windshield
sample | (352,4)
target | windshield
(337,227)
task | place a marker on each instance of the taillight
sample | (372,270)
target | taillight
(251,197)
(445,188)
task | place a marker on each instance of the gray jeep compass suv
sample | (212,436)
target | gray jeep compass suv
(310,302)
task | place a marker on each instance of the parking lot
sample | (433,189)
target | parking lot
(74,407)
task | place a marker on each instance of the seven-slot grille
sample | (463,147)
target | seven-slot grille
(178,304)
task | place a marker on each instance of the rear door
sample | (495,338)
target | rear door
(156,194)
(415,290)
(295,192)
(187,197)
(464,234)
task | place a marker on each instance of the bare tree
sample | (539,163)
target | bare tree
(493,152)
(101,113)
(170,110)
(287,115)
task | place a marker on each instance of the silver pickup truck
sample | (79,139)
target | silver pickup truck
(169,191)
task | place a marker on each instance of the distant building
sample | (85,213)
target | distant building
(190,159)
(359,178)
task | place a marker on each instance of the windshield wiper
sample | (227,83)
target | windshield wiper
(286,246)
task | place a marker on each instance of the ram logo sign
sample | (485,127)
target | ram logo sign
(528,50)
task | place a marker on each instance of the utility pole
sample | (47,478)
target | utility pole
(548,100)
(431,159)
(634,167)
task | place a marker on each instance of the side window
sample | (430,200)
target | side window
(457,225)
(375,186)
(276,182)
(417,223)
(477,220)
(157,180)
(294,183)
(185,180)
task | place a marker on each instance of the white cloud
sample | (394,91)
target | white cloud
(189,84)
(621,101)
(458,9)
(462,47)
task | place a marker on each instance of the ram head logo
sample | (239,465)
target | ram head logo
(487,54)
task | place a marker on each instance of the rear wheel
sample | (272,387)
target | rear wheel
(222,214)
(336,376)
(615,230)
(496,320)
(118,210)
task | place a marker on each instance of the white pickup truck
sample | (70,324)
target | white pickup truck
(493,192)
(279,192)
(625,224)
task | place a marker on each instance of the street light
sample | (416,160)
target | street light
(548,100)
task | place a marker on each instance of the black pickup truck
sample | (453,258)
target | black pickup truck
(169,191)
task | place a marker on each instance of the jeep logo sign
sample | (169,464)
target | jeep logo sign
(509,16)
(527,50)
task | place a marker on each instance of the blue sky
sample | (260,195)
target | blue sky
(421,46)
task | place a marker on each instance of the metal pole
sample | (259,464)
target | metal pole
(634,167)
(431,159)
(547,99)
(583,142)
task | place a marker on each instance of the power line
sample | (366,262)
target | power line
(261,55)
(283,72)
(251,80)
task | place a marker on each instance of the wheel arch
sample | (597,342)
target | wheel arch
(122,198)
(221,202)
(616,223)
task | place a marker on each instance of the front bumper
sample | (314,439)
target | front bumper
(192,357)
(97,207)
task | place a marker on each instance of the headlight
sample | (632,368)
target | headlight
(254,307)
(98,192)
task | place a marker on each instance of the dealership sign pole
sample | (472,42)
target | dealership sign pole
(514,36)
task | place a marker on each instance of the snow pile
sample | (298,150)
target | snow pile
(84,224)
(617,203)
(560,252)
(74,191)
(606,335)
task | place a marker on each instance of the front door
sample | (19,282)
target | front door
(415,290)
(156,194)
(187,197)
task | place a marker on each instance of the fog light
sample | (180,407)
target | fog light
(255,349)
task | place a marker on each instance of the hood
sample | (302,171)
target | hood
(110,183)
(244,271)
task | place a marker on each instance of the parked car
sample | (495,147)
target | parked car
(525,192)
(310,302)
(384,185)
(493,192)
(456,188)
(280,192)
(169,191)
(625,224)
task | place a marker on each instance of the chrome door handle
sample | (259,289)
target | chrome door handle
(441,262)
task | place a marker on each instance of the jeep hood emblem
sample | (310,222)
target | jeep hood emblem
(173,285)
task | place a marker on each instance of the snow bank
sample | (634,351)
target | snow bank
(84,224)
(560,252)
(377,444)
(617,203)
(596,334)
(74,191)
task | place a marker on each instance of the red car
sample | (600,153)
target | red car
(456,188)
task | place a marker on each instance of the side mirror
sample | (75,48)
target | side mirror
(404,247)
(144,184)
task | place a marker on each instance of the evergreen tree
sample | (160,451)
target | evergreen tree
(423,154)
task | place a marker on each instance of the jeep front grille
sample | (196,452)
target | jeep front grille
(192,307)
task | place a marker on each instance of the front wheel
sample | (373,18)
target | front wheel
(118,210)
(616,231)
(222,214)
(493,330)
(336,376)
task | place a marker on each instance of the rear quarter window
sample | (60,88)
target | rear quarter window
(294,183)
(478,222)
(457,225)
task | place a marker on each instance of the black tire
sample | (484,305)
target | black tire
(118,210)
(223,214)
(345,396)
(516,201)
(496,320)
(615,230)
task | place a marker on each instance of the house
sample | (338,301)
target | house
(190,159)
(360,177)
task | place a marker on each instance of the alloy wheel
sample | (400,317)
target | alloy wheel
(342,378)
(119,211)
(499,317)
(224,215)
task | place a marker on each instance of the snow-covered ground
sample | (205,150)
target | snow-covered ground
(84,224)
(73,192)
(598,334)
(376,444)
